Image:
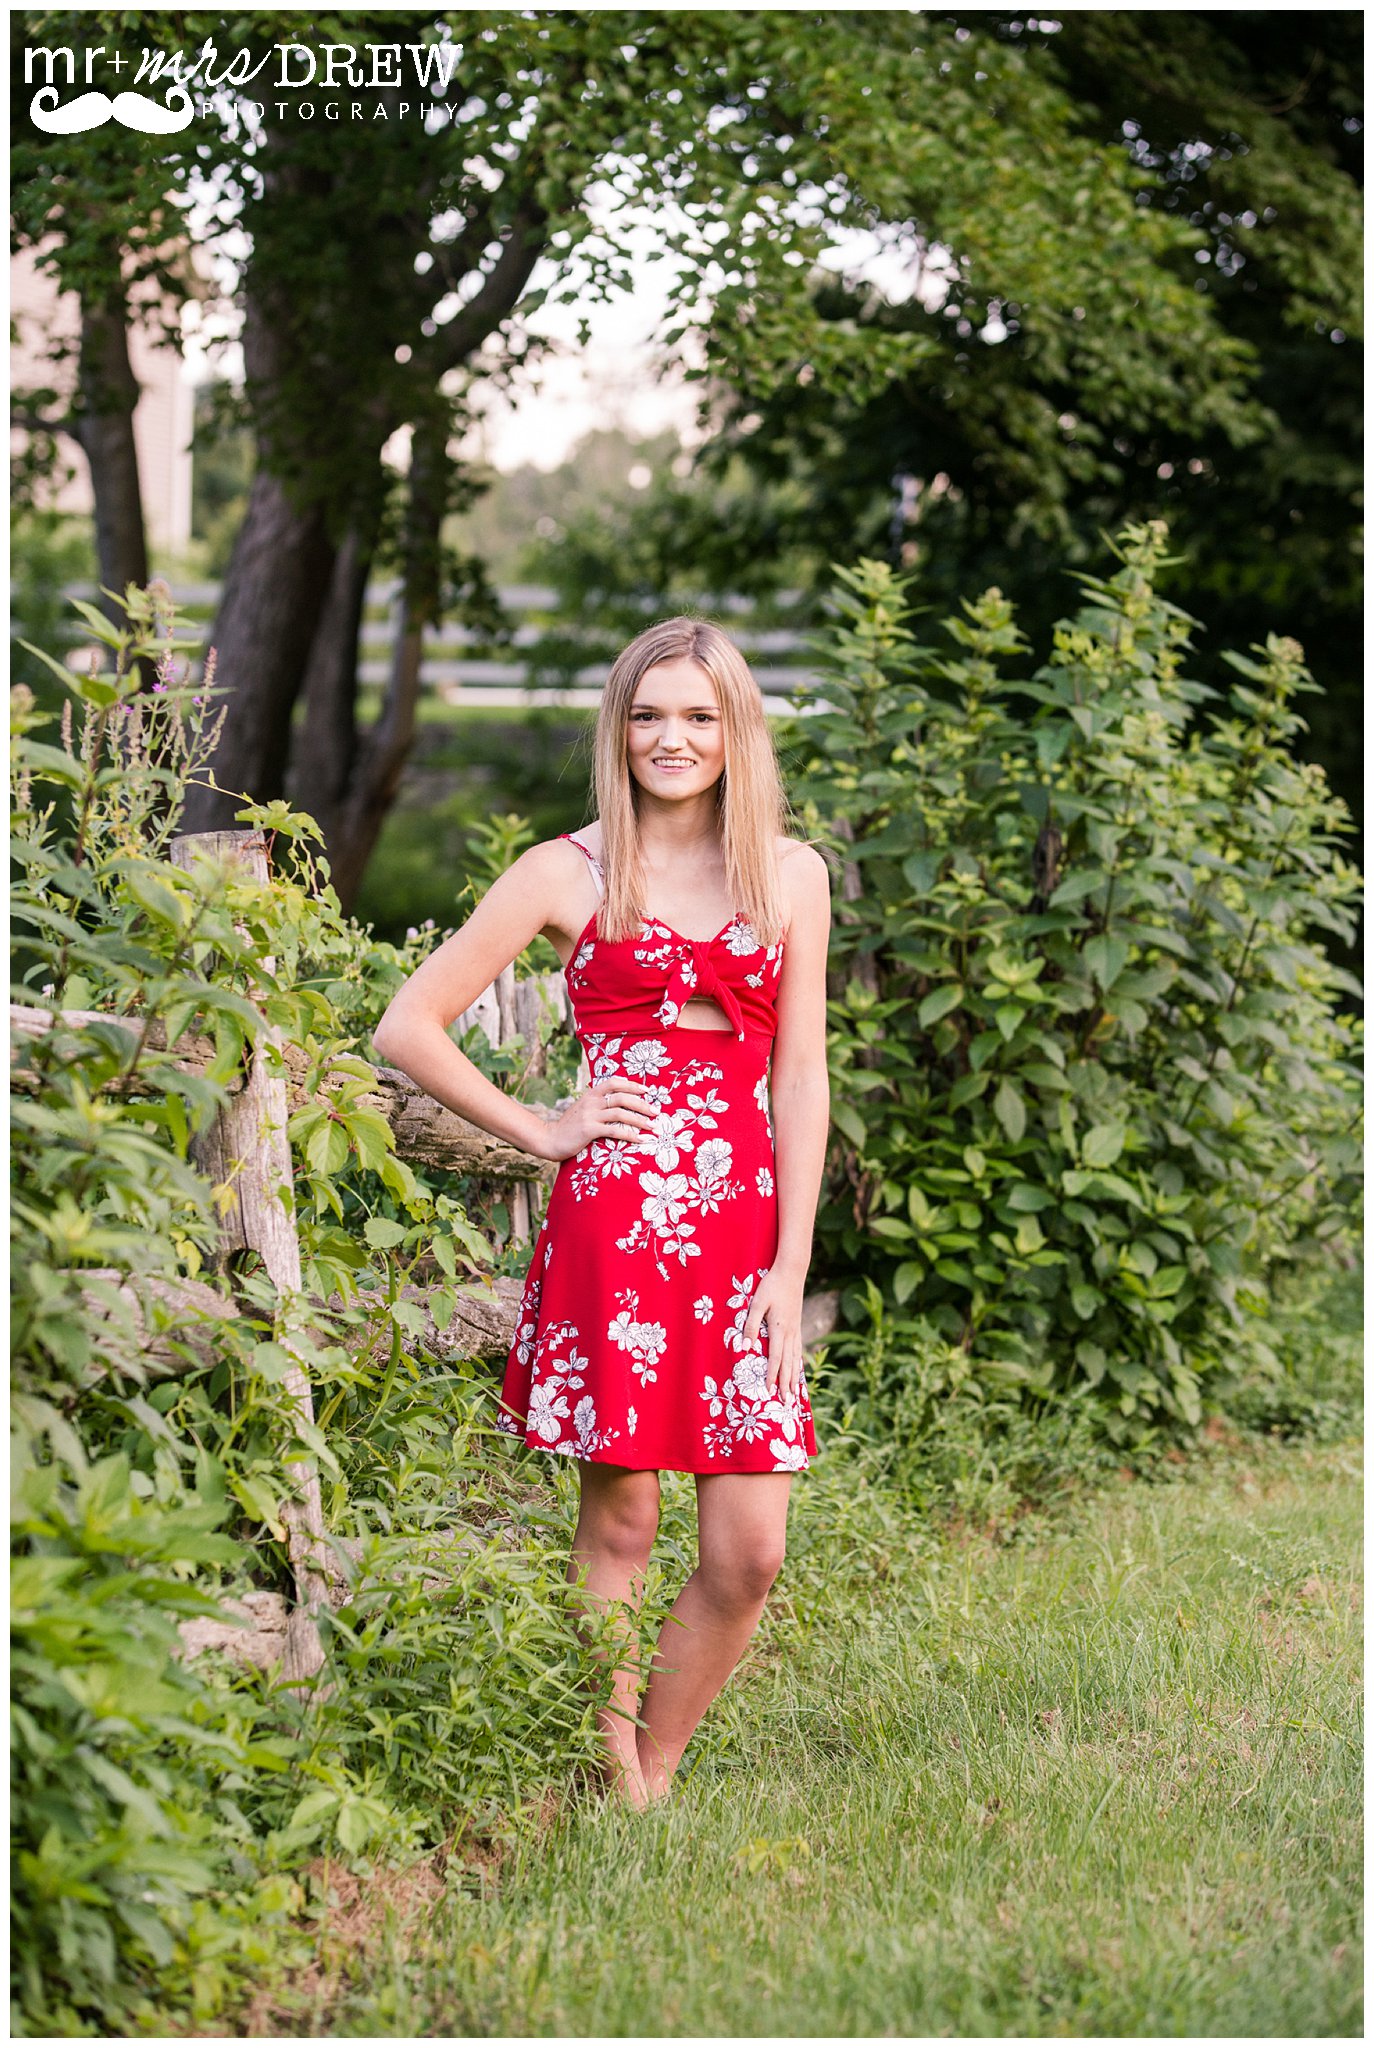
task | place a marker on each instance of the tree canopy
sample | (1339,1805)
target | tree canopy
(387,266)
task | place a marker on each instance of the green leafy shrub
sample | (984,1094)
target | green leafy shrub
(161,1809)
(1092,1073)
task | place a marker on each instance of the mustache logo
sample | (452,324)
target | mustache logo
(94,109)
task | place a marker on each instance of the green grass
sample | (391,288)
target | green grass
(1097,1772)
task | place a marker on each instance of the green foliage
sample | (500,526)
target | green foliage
(119,1752)
(47,550)
(160,1807)
(1091,1071)
(1114,183)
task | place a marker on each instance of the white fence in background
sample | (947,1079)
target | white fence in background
(503,678)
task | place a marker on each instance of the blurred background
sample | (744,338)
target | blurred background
(577,352)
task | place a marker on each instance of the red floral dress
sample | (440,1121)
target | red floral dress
(630,1346)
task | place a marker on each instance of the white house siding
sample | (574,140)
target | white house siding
(162,417)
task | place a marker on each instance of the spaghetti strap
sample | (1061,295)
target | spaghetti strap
(597,870)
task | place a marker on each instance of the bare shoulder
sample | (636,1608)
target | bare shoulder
(550,858)
(547,878)
(806,885)
(806,877)
(544,862)
(553,875)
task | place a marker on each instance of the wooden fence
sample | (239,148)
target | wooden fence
(458,665)
(246,1151)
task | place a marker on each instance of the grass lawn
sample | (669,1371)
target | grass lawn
(1095,1772)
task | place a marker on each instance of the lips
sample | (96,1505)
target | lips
(672,767)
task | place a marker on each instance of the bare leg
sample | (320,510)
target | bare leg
(742,1527)
(616,1525)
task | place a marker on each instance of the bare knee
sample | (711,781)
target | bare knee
(745,1577)
(619,1517)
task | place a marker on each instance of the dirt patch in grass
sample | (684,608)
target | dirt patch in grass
(348,1924)
(354,1914)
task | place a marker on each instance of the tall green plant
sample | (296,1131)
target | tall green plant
(158,1807)
(1091,1071)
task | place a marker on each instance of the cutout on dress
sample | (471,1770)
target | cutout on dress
(710,1016)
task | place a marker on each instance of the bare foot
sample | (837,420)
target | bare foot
(624,1782)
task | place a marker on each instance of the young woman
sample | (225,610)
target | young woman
(677,1237)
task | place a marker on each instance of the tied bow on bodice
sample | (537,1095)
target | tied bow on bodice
(694,974)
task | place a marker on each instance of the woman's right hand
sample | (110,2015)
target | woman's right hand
(612,1107)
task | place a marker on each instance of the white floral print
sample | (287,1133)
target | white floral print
(547,1409)
(648,1057)
(741,1409)
(643,1341)
(629,1344)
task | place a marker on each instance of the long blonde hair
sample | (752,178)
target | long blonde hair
(751,804)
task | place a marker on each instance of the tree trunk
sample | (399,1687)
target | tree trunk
(278,581)
(325,753)
(102,422)
(292,605)
(378,761)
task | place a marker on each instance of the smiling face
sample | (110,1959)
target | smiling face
(675,737)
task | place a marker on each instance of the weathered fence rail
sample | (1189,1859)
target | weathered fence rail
(246,1150)
(460,666)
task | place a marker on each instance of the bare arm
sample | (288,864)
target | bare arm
(413,1032)
(799,1085)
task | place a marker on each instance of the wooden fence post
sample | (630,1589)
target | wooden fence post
(246,1153)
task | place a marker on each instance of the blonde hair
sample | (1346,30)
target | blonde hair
(751,804)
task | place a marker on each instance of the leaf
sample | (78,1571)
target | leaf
(254,1496)
(161,903)
(327,1148)
(1029,1236)
(920,870)
(847,1118)
(966,1088)
(36,1581)
(1104,957)
(314,1806)
(64,675)
(353,1826)
(383,1234)
(1010,1111)
(1102,1145)
(906,1279)
(939,1003)
(1093,1359)
(371,1136)
(273,1361)
(1076,886)
(49,763)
